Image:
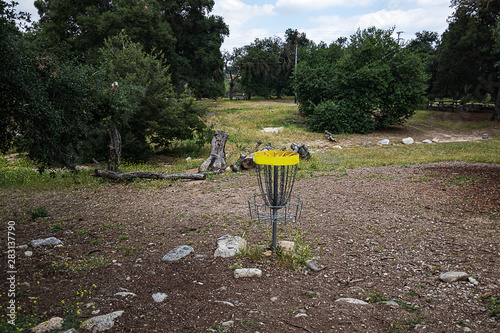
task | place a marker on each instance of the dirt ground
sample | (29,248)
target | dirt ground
(380,234)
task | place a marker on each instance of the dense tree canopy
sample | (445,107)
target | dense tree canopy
(467,58)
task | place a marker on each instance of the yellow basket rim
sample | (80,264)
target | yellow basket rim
(276,157)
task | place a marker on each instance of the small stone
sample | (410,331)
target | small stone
(352,301)
(125,294)
(101,323)
(247,272)
(426,141)
(267,253)
(312,266)
(178,253)
(188,159)
(28,253)
(485,136)
(71,330)
(54,323)
(391,303)
(45,241)
(22,247)
(226,303)
(228,323)
(467,329)
(383,142)
(366,144)
(228,246)
(453,276)
(473,281)
(159,297)
(408,141)
(287,247)
(337,147)
(300,315)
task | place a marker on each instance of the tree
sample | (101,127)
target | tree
(373,84)
(231,67)
(467,59)
(198,60)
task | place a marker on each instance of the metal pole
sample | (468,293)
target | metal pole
(275,208)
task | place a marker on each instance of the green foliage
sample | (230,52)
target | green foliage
(38,212)
(372,83)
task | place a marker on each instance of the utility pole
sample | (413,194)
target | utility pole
(399,33)
(295,68)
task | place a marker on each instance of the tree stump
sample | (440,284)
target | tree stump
(217,159)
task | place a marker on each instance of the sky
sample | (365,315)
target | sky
(320,20)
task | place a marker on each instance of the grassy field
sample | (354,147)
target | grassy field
(245,120)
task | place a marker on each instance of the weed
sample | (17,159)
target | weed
(493,303)
(78,264)
(218,328)
(311,294)
(38,212)
(55,227)
(236,265)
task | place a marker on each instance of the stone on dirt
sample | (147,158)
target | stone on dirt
(453,276)
(313,266)
(159,297)
(45,241)
(178,253)
(352,301)
(125,294)
(101,323)
(54,323)
(287,247)
(426,141)
(247,272)
(383,142)
(408,141)
(228,246)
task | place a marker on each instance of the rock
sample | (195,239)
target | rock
(159,297)
(426,141)
(54,323)
(391,303)
(101,323)
(22,247)
(485,136)
(453,276)
(337,147)
(313,266)
(228,323)
(300,315)
(287,247)
(178,253)
(228,246)
(352,301)
(247,272)
(225,302)
(45,241)
(28,253)
(267,253)
(408,141)
(473,281)
(188,159)
(383,142)
(467,329)
(272,129)
(125,294)
(274,299)
(301,149)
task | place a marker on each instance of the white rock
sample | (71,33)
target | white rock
(101,323)
(28,253)
(49,325)
(178,253)
(272,129)
(408,141)
(453,276)
(159,297)
(427,141)
(45,241)
(247,272)
(352,301)
(125,294)
(313,266)
(383,142)
(300,315)
(473,281)
(337,147)
(228,323)
(274,299)
(287,247)
(228,246)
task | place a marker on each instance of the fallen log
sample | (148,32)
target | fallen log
(145,174)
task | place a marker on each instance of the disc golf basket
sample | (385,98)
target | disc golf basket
(276,175)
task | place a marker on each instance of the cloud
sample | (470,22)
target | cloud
(236,13)
(409,21)
(301,6)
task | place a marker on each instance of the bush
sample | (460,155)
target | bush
(339,118)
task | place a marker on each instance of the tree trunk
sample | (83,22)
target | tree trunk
(496,112)
(145,174)
(217,159)
(114,147)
